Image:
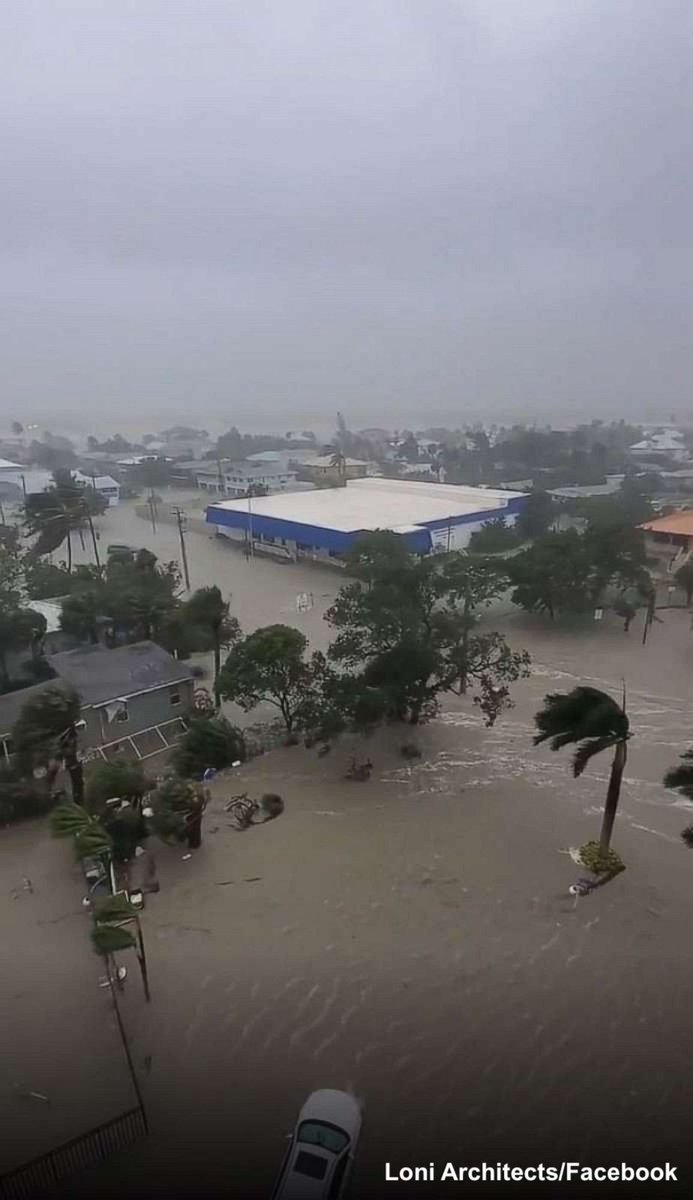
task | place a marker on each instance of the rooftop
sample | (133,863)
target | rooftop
(327,460)
(677,522)
(6,465)
(395,504)
(99,674)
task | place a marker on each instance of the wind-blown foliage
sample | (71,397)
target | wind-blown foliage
(592,721)
(206,610)
(45,735)
(270,665)
(210,741)
(52,516)
(406,631)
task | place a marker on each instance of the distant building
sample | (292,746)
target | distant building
(670,540)
(105,485)
(323,468)
(588,491)
(668,444)
(234,478)
(323,525)
(135,699)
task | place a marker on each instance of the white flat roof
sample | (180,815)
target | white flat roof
(374,504)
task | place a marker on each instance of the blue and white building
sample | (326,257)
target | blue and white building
(324,524)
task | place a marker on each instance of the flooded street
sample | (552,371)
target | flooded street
(412,938)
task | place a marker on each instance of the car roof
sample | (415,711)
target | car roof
(335,1107)
(297,1186)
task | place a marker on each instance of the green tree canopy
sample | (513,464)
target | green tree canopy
(406,631)
(270,665)
(209,742)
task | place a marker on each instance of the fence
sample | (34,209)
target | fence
(43,1175)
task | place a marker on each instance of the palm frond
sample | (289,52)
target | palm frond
(680,778)
(109,939)
(93,842)
(575,716)
(587,750)
(69,820)
(110,909)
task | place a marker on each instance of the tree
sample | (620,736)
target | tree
(107,780)
(536,516)
(552,575)
(52,516)
(210,741)
(406,633)
(270,665)
(139,595)
(177,808)
(45,735)
(17,428)
(20,798)
(684,578)
(614,553)
(45,580)
(494,537)
(90,838)
(19,628)
(680,779)
(81,614)
(591,720)
(338,461)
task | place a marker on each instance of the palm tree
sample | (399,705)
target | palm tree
(111,916)
(52,516)
(591,720)
(46,734)
(208,610)
(680,779)
(338,460)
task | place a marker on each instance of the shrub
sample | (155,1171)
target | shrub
(21,799)
(601,864)
(211,741)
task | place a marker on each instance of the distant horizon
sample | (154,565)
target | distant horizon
(73,425)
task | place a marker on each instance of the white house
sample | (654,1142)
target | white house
(666,444)
(105,485)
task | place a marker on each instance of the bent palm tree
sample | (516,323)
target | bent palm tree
(680,779)
(591,720)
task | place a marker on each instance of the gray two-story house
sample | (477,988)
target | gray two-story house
(134,699)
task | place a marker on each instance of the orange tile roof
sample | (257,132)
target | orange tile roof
(676,522)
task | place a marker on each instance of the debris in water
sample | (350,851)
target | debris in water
(186,857)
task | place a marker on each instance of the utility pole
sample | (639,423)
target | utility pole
(180,519)
(152,510)
(650,613)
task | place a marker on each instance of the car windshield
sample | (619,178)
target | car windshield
(329,1137)
(311,1165)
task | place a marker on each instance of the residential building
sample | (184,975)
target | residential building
(235,478)
(323,468)
(105,485)
(324,525)
(669,540)
(667,444)
(135,699)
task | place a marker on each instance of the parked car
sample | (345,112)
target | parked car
(318,1161)
(119,550)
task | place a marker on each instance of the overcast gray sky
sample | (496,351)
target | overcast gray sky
(263,211)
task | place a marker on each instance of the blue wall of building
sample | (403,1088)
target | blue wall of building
(311,537)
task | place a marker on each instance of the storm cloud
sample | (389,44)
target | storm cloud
(264,211)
